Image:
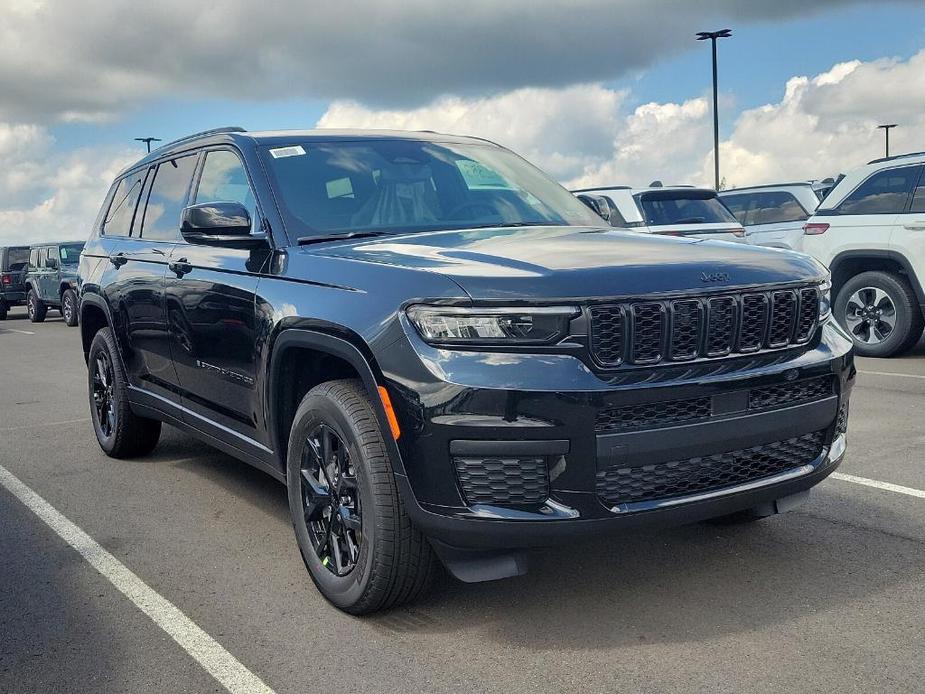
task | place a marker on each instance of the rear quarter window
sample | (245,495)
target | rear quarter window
(769,207)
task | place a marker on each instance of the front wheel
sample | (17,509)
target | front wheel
(355,537)
(880,312)
(36,308)
(69,307)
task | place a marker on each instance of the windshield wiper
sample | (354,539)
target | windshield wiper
(321,238)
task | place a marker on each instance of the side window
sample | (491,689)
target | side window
(118,221)
(884,192)
(34,257)
(224,179)
(53,256)
(167,199)
(918,197)
(772,207)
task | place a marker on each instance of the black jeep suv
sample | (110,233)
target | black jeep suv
(444,354)
(13,263)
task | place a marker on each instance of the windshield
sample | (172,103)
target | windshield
(399,186)
(683,207)
(70,253)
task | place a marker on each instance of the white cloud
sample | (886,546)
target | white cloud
(584,135)
(88,60)
(46,195)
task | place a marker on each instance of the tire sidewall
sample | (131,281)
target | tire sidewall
(345,591)
(897,295)
(100,344)
(31,307)
(69,308)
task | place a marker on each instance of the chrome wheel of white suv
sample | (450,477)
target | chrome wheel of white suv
(870,315)
(880,312)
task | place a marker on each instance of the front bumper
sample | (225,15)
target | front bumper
(458,409)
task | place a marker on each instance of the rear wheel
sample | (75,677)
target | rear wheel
(880,312)
(3,310)
(354,535)
(36,308)
(69,307)
(120,432)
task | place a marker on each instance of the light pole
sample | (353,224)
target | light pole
(713,35)
(886,131)
(148,141)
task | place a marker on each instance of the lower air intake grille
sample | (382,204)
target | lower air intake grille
(620,485)
(785,394)
(503,481)
(653,414)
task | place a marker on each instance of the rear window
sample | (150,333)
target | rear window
(769,207)
(682,207)
(17,258)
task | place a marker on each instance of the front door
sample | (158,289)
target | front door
(211,310)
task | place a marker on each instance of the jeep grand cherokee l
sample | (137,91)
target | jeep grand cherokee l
(445,355)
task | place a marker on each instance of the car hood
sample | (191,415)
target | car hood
(577,262)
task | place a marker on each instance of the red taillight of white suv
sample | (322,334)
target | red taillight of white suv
(815,228)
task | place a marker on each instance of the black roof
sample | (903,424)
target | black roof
(236,134)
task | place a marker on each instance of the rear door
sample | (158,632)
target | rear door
(50,277)
(908,235)
(211,309)
(866,217)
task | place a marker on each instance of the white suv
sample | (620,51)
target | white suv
(870,231)
(773,215)
(671,210)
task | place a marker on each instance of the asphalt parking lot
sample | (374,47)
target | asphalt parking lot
(828,597)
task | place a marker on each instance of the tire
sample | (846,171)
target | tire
(880,312)
(120,432)
(392,563)
(69,307)
(36,308)
(4,309)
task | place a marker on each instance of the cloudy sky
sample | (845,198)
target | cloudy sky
(594,91)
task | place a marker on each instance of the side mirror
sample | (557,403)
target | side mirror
(599,204)
(225,224)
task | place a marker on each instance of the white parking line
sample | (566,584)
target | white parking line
(909,491)
(21,332)
(892,373)
(45,424)
(210,654)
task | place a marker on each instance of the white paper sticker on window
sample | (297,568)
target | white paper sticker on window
(280,152)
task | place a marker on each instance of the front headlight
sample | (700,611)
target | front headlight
(825,299)
(449,325)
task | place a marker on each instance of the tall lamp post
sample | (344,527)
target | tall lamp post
(148,141)
(886,131)
(713,35)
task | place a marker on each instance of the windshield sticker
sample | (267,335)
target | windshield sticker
(293,151)
(478,176)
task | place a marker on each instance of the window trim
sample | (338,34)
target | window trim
(101,230)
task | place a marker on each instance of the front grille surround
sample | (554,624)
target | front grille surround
(679,329)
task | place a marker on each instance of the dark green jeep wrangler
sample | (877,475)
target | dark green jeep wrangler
(51,280)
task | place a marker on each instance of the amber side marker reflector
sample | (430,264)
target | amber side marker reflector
(389,412)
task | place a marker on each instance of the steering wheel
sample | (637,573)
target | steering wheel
(474,206)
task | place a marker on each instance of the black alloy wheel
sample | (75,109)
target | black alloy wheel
(104,401)
(331,501)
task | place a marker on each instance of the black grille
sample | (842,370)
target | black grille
(503,481)
(685,329)
(784,394)
(841,424)
(607,340)
(648,333)
(620,485)
(783,311)
(754,322)
(653,414)
(686,325)
(808,314)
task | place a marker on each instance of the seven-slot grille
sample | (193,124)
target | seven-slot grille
(652,332)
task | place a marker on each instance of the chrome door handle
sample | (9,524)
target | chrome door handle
(180,267)
(915,225)
(118,259)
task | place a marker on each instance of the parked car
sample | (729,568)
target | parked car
(51,281)
(870,231)
(444,354)
(13,263)
(773,215)
(669,210)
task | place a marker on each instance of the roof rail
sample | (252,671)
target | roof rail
(204,133)
(768,185)
(896,156)
(591,190)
